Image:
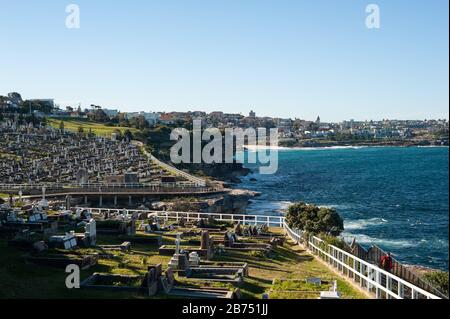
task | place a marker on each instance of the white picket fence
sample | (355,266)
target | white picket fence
(272,221)
(369,276)
(380,283)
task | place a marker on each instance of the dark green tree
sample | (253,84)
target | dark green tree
(439,279)
(314,219)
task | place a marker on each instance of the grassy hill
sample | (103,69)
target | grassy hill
(97,128)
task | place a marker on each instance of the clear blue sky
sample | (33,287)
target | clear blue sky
(279,58)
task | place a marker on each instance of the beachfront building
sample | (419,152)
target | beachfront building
(151,117)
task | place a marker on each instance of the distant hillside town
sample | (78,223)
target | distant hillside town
(292,132)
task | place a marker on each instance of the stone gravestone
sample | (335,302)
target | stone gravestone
(179,261)
(204,243)
(238,229)
(167,281)
(170,276)
(229,239)
(91,232)
(177,244)
(132,228)
(158,270)
(68,200)
(207,244)
(194,259)
(183,262)
(226,239)
(152,282)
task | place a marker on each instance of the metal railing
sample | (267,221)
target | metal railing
(272,221)
(376,280)
(96,185)
(182,186)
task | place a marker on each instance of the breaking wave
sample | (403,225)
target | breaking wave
(262,207)
(363,223)
(392,243)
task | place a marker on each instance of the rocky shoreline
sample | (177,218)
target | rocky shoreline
(233,201)
(227,172)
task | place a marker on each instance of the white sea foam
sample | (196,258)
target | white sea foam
(433,146)
(320,148)
(254,148)
(338,207)
(393,243)
(263,207)
(363,223)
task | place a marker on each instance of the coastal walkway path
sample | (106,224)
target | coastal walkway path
(377,282)
(197,181)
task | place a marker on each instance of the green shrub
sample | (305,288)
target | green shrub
(335,241)
(439,279)
(314,219)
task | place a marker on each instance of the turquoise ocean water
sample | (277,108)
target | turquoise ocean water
(395,197)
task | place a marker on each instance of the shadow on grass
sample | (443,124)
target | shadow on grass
(252,262)
(253,289)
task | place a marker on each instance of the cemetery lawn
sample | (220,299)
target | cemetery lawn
(290,265)
(96,127)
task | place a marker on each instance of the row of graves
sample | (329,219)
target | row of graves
(41,154)
(67,237)
(192,270)
(195,260)
(164,280)
(194,252)
(44,240)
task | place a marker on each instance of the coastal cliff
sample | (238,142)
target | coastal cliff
(229,172)
(234,201)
